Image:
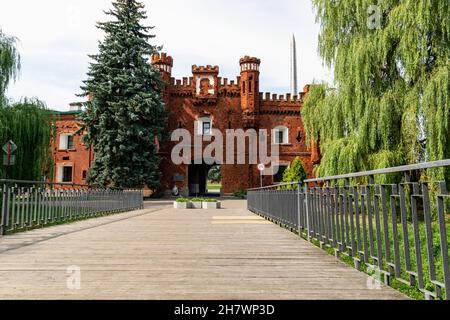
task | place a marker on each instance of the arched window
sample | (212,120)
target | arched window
(281,135)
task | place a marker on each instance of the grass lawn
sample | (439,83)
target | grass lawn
(411,291)
(214,186)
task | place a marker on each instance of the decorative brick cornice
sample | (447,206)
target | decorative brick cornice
(205,69)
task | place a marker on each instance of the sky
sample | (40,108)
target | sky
(57,36)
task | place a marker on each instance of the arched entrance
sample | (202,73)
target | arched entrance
(200,176)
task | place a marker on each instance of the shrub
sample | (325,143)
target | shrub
(296,173)
(182,200)
(209,200)
(197,200)
(240,193)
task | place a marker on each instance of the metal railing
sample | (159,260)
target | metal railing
(27,205)
(398,229)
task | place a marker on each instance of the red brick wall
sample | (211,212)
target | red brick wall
(230,107)
(79,157)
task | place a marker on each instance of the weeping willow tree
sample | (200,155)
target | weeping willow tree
(30,125)
(9,63)
(391,101)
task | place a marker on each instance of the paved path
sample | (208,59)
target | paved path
(161,253)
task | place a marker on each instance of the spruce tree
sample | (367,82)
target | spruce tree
(126,113)
(391,105)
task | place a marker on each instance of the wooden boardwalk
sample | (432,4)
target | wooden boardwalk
(161,253)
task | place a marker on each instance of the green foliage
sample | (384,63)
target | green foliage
(28,123)
(127,113)
(182,200)
(9,63)
(215,174)
(240,193)
(210,200)
(296,172)
(214,186)
(31,126)
(391,104)
(197,200)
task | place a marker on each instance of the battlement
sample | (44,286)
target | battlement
(249,64)
(282,100)
(187,85)
(231,88)
(248,59)
(184,86)
(163,62)
(162,58)
(273,103)
(226,83)
(205,69)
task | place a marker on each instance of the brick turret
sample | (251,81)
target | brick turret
(163,63)
(250,97)
(250,84)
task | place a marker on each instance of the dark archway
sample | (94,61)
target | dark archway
(198,179)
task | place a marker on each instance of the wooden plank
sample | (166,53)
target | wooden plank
(164,253)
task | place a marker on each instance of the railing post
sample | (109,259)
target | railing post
(307,211)
(443,237)
(4,209)
(299,216)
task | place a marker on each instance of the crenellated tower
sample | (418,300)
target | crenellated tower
(250,98)
(250,83)
(164,64)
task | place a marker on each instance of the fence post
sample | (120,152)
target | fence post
(299,216)
(4,209)
(307,211)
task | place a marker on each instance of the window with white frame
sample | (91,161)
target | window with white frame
(204,126)
(65,173)
(281,135)
(66,141)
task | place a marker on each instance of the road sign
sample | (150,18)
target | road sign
(9,160)
(261,168)
(10,147)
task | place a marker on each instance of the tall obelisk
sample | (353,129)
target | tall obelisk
(294,84)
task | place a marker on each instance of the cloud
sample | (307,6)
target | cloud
(58,36)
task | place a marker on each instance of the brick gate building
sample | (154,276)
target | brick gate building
(200,103)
